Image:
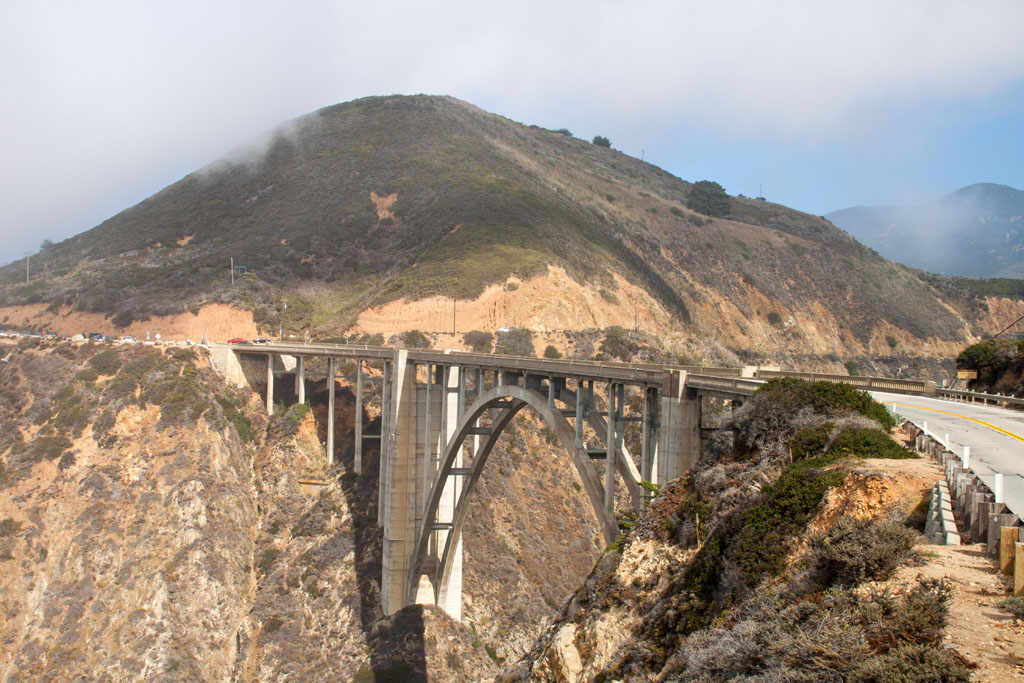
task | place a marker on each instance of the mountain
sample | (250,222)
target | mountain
(384,214)
(977,231)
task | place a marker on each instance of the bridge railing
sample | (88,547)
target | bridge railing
(730,385)
(866,383)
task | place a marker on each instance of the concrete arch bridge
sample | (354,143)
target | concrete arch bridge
(443,412)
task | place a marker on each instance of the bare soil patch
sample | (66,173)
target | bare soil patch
(215,322)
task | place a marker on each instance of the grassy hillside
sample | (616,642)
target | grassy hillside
(405,197)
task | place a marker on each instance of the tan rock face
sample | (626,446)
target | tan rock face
(131,558)
(154,542)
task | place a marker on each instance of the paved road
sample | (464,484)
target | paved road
(994,435)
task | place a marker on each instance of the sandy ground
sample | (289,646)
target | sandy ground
(215,322)
(985,636)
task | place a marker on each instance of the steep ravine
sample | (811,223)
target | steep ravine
(155,524)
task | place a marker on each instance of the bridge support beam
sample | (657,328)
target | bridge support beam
(300,379)
(270,384)
(357,450)
(330,411)
(679,446)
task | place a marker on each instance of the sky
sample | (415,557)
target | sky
(816,104)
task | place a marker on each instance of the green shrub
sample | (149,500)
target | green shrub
(376,339)
(285,424)
(1014,606)
(676,211)
(767,530)
(414,339)
(478,341)
(87,375)
(183,355)
(851,368)
(910,664)
(267,559)
(825,398)
(106,362)
(551,352)
(236,417)
(924,611)
(774,319)
(514,341)
(602,141)
(618,343)
(867,442)
(810,442)
(855,550)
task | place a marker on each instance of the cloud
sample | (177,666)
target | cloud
(105,102)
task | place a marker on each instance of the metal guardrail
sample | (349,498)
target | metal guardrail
(979,397)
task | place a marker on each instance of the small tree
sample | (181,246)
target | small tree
(514,341)
(414,339)
(478,341)
(565,131)
(602,141)
(46,245)
(709,198)
(551,352)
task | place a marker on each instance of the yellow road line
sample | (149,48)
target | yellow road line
(946,412)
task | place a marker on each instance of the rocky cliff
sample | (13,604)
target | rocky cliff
(156,525)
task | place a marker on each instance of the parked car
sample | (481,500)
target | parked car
(260,340)
(95,336)
(51,335)
(238,340)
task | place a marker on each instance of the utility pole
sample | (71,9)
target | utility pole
(28,258)
(232,271)
(636,319)
(453,316)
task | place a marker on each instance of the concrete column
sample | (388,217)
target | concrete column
(679,432)
(452,396)
(645,437)
(300,379)
(580,414)
(399,479)
(330,411)
(385,445)
(610,455)
(270,384)
(429,447)
(357,452)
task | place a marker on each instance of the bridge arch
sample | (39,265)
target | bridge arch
(510,399)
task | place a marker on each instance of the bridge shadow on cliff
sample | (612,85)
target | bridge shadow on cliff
(397,647)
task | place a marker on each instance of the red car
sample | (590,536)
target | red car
(239,341)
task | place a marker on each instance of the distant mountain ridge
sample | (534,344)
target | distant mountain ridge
(976,231)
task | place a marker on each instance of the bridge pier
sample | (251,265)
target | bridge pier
(679,445)
(300,379)
(330,411)
(422,419)
(270,384)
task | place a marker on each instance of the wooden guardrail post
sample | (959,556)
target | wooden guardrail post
(1008,536)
